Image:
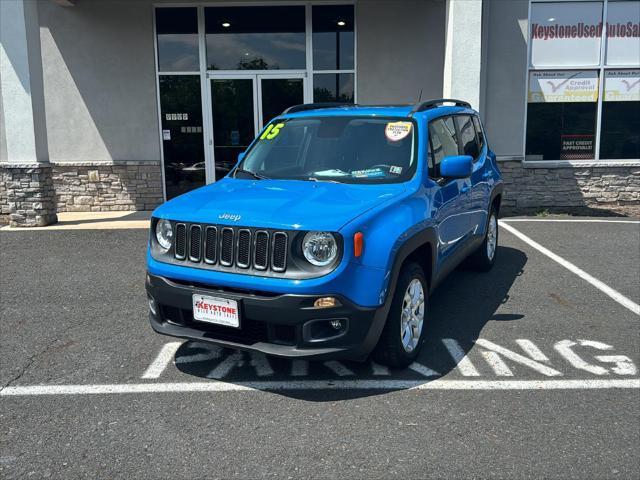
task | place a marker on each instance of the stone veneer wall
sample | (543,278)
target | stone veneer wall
(27,195)
(100,187)
(597,190)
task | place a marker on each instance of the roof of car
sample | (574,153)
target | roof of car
(437,107)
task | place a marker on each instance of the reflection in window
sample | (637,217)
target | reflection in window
(333,40)
(255,38)
(467,136)
(333,87)
(620,124)
(182,141)
(444,142)
(561,131)
(177,32)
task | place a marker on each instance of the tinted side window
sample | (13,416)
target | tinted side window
(468,140)
(476,123)
(444,141)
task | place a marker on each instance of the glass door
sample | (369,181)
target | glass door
(240,106)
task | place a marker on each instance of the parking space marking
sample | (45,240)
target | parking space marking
(495,361)
(532,350)
(338,368)
(167,352)
(224,367)
(464,365)
(603,287)
(218,386)
(261,364)
(379,369)
(516,357)
(422,370)
(568,220)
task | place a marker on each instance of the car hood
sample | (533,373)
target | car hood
(290,204)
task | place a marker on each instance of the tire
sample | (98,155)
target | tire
(391,350)
(485,256)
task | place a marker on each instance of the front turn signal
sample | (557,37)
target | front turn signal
(358,244)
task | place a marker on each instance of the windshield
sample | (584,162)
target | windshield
(338,149)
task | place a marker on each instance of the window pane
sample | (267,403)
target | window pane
(177,30)
(279,94)
(561,115)
(623,30)
(333,40)
(182,140)
(467,136)
(566,33)
(255,38)
(444,141)
(476,123)
(333,87)
(620,127)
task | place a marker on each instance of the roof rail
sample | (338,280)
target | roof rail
(315,106)
(421,107)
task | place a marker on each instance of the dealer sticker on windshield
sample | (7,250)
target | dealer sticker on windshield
(221,311)
(396,131)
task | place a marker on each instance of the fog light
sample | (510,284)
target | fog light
(336,324)
(152,306)
(326,302)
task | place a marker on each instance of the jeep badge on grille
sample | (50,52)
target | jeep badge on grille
(229,216)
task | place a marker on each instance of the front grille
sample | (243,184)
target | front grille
(279,255)
(232,248)
(181,241)
(195,243)
(211,245)
(261,250)
(226,247)
(244,248)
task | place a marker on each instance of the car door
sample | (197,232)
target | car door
(449,200)
(478,193)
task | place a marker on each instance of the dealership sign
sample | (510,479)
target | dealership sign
(568,34)
(563,86)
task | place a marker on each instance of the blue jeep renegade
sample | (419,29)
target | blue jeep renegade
(330,233)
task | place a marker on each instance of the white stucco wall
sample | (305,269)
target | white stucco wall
(99,81)
(400,50)
(504,74)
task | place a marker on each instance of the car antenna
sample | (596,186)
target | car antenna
(420,96)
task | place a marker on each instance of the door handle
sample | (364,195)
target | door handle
(486,175)
(465,188)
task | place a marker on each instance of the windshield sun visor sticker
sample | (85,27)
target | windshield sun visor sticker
(396,131)
(271,131)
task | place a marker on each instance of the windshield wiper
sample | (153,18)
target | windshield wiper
(255,175)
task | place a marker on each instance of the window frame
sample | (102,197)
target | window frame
(601,68)
(307,72)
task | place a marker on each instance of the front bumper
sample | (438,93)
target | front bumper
(283,325)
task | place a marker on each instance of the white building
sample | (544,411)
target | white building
(118,105)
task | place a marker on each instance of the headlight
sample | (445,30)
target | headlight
(164,234)
(319,248)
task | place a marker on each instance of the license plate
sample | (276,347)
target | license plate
(220,311)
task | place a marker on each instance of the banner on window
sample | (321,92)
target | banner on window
(622,86)
(563,86)
(576,147)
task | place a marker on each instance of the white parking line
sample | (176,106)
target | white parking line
(224,367)
(338,368)
(568,220)
(603,287)
(463,363)
(495,361)
(162,360)
(218,386)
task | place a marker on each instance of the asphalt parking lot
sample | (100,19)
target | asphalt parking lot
(528,371)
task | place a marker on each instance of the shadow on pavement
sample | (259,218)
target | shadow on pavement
(459,309)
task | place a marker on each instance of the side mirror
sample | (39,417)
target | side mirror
(240,156)
(456,166)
